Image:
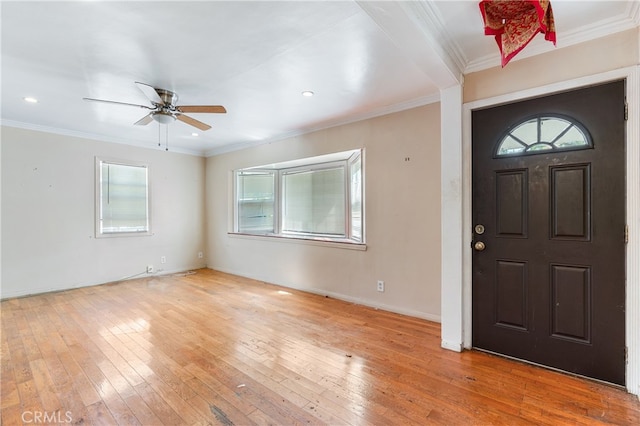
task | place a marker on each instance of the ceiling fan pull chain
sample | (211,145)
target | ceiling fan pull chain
(166,146)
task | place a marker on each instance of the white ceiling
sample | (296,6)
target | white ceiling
(361,59)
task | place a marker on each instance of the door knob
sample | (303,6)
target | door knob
(479,246)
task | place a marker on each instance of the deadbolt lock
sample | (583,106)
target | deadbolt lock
(479,229)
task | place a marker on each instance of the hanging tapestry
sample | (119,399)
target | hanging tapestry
(514,23)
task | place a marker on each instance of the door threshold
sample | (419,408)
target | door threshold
(557,370)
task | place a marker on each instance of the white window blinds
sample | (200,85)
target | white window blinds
(123,200)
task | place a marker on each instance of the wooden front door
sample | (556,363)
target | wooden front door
(549,226)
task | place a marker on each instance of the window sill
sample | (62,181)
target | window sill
(124,234)
(318,241)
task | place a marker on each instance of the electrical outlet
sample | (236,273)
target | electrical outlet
(163,259)
(200,255)
(380,285)
(149,269)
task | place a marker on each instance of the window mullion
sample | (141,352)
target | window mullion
(347,199)
(277,213)
(236,198)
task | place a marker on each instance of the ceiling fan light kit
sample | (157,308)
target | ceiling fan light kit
(165,110)
(163,117)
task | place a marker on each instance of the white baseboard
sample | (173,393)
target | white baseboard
(35,291)
(343,297)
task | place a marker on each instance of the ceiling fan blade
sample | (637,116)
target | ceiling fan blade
(193,122)
(144,120)
(202,108)
(150,92)
(117,103)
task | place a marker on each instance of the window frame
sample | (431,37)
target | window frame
(343,160)
(99,161)
(356,157)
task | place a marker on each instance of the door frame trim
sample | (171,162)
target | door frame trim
(463,208)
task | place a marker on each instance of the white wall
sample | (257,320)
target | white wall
(48,239)
(402,207)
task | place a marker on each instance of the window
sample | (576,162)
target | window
(313,198)
(313,201)
(122,198)
(544,133)
(256,201)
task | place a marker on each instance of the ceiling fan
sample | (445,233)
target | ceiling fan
(165,110)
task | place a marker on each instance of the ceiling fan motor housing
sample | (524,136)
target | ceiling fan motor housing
(166,112)
(169,98)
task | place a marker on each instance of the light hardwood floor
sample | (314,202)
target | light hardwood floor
(213,348)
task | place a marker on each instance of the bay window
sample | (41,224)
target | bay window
(313,198)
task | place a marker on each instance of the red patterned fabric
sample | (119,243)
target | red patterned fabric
(514,23)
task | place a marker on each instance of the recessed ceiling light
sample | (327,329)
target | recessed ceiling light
(30,100)
(194,134)
(307,93)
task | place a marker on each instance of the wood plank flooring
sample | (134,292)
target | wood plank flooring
(213,348)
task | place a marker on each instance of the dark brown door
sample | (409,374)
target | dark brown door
(549,219)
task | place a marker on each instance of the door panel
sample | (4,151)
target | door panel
(548,287)
(511,294)
(511,203)
(571,202)
(571,302)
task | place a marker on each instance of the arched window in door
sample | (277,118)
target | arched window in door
(544,133)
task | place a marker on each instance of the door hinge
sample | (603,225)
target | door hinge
(626,111)
(626,234)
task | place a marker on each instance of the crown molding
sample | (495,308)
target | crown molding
(416,28)
(626,21)
(425,100)
(92,136)
(429,19)
(634,12)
